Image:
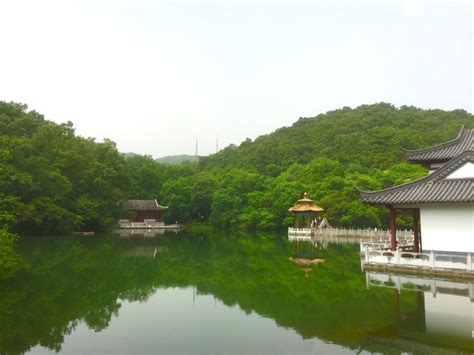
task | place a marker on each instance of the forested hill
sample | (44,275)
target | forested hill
(369,135)
(53,181)
(177,159)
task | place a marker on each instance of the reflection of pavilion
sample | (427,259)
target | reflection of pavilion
(143,242)
(445,309)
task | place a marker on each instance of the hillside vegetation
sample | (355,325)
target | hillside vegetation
(252,185)
(369,135)
(53,181)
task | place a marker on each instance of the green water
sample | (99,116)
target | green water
(216,293)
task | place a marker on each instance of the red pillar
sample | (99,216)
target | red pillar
(416,231)
(393,218)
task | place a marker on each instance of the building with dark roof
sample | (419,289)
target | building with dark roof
(442,203)
(141,210)
(436,156)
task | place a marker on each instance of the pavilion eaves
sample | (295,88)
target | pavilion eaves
(434,188)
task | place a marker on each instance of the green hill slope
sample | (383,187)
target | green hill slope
(53,181)
(369,135)
(329,156)
(177,159)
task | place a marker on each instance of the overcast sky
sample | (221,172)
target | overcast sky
(156,76)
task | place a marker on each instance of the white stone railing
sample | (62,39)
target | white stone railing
(138,225)
(424,260)
(384,244)
(300,231)
(350,232)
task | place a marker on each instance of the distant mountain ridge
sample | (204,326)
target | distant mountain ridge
(177,159)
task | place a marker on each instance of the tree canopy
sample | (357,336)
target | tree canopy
(53,181)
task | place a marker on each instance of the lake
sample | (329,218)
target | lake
(221,293)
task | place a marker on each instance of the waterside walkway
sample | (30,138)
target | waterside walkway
(427,262)
(348,233)
(374,239)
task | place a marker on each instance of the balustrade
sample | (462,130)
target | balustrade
(428,259)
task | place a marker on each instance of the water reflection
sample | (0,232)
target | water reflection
(446,306)
(179,320)
(81,294)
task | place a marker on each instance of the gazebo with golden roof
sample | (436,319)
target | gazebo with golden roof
(304,212)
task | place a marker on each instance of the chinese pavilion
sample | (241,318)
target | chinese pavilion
(145,209)
(304,212)
(442,202)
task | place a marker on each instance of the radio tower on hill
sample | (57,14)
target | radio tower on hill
(196,147)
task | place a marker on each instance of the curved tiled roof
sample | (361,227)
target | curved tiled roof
(430,189)
(305,205)
(306,208)
(445,151)
(143,205)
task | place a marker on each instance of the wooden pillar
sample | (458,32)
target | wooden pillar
(393,238)
(416,231)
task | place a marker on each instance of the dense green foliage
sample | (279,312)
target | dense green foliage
(329,156)
(369,136)
(9,261)
(52,181)
(145,177)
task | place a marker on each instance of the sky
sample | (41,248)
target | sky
(155,76)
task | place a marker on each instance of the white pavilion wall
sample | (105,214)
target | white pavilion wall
(448,227)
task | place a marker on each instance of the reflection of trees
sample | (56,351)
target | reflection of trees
(99,318)
(73,280)
(68,281)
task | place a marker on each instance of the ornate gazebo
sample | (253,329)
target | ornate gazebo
(304,212)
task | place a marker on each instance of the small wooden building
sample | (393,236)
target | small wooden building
(141,210)
(442,202)
(304,212)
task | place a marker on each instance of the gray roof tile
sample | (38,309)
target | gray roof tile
(430,189)
(445,151)
(142,205)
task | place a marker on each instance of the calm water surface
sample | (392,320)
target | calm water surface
(216,293)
